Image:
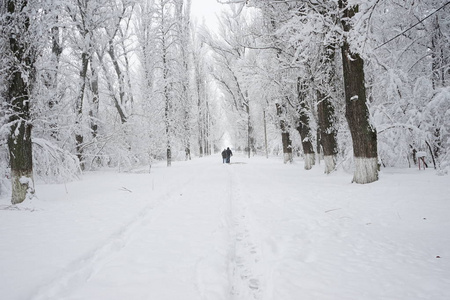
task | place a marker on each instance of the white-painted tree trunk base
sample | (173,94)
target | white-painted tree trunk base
(310,160)
(330,163)
(287,158)
(22,185)
(366,170)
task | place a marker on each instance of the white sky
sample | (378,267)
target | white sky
(206,9)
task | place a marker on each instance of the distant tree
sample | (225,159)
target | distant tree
(200,79)
(230,53)
(183,11)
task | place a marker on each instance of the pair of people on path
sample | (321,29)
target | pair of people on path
(226,155)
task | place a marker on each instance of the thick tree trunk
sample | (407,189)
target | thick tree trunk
(18,98)
(304,128)
(285,139)
(21,159)
(364,135)
(327,131)
(325,110)
(308,148)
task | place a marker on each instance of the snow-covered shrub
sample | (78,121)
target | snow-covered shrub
(53,164)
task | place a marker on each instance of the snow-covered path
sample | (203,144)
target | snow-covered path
(255,229)
(181,244)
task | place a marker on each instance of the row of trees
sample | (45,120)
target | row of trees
(93,83)
(329,75)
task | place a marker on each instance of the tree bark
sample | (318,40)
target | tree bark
(167,104)
(287,145)
(93,112)
(304,128)
(364,135)
(79,138)
(200,109)
(327,131)
(265,133)
(53,78)
(249,128)
(325,111)
(18,98)
(438,66)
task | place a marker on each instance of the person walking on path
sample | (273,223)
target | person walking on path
(229,154)
(224,156)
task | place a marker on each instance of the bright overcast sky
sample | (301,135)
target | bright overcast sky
(205,9)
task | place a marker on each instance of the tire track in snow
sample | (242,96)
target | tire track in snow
(80,270)
(245,267)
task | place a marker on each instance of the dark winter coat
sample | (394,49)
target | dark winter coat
(224,154)
(229,153)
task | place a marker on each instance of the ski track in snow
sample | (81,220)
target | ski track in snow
(79,271)
(246,276)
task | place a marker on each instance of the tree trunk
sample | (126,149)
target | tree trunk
(364,135)
(18,99)
(439,61)
(187,130)
(265,133)
(53,78)
(200,113)
(327,131)
(303,126)
(119,104)
(123,118)
(130,98)
(438,66)
(79,139)
(287,147)
(93,112)
(183,27)
(249,128)
(325,110)
(167,104)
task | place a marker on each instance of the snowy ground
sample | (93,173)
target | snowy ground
(255,229)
